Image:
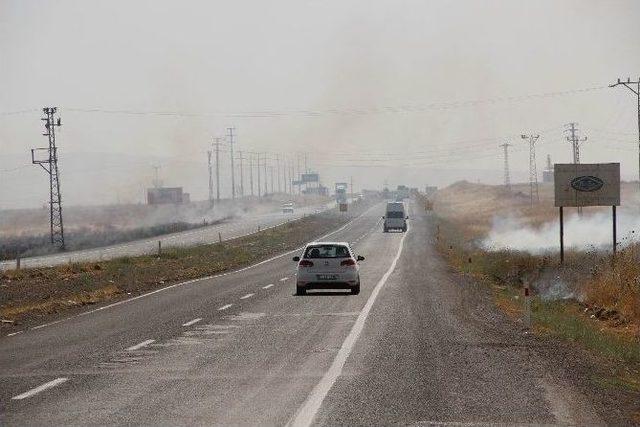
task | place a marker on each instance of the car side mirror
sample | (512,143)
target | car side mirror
(382,216)
(407,217)
(296,258)
(360,258)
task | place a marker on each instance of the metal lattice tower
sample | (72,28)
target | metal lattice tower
(50,165)
(630,85)
(533,173)
(507,178)
(233,175)
(575,141)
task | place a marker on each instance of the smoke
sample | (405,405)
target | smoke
(590,232)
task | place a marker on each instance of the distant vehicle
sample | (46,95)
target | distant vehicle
(360,196)
(328,265)
(402,192)
(395,217)
(287,207)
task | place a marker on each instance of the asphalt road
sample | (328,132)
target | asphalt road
(413,348)
(230,229)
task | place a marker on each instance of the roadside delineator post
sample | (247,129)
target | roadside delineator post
(159,247)
(219,237)
(18,262)
(527,306)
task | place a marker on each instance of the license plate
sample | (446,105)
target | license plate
(327,277)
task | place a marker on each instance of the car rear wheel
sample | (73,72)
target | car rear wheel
(301,290)
(356,289)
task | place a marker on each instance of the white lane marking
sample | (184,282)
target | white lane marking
(47,324)
(140,345)
(192,322)
(38,389)
(284,279)
(307,412)
(201,279)
(247,296)
(14,333)
(268,286)
(224,307)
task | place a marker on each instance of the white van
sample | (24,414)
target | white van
(395,217)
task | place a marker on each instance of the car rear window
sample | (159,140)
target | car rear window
(327,251)
(395,214)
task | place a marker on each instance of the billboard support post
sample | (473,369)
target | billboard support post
(615,243)
(561,235)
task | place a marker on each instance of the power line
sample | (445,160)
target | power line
(408,108)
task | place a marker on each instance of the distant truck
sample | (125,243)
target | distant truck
(395,217)
(402,192)
(341,193)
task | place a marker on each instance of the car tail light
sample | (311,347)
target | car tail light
(305,263)
(348,263)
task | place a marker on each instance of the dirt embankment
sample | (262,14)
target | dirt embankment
(32,296)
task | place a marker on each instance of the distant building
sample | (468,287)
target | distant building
(166,195)
(547,173)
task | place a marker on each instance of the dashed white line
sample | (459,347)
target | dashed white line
(247,296)
(38,389)
(224,307)
(268,286)
(140,345)
(14,333)
(192,322)
(284,279)
(306,413)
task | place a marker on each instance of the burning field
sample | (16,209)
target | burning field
(498,237)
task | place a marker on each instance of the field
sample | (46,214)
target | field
(498,238)
(30,296)
(26,231)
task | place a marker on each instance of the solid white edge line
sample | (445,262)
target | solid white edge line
(200,279)
(140,345)
(15,333)
(224,307)
(307,412)
(264,287)
(192,322)
(38,389)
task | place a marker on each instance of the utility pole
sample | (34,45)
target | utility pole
(271,170)
(217,144)
(533,173)
(50,165)
(258,166)
(351,185)
(241,175)
(575,141)
(507,179)
(306,163)
(266,190)
(278,172)
(251,172)
(156,180)
(630,85)
(209,153)
(298,178)
(233,177)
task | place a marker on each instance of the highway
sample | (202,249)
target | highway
(230,229)
(416,346)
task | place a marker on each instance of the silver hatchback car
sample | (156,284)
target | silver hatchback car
(328,265)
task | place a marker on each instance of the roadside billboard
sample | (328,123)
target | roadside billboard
(587,184)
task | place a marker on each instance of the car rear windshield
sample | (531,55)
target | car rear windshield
(395,214)
(327,251)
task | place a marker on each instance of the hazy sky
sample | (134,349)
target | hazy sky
(377,90)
